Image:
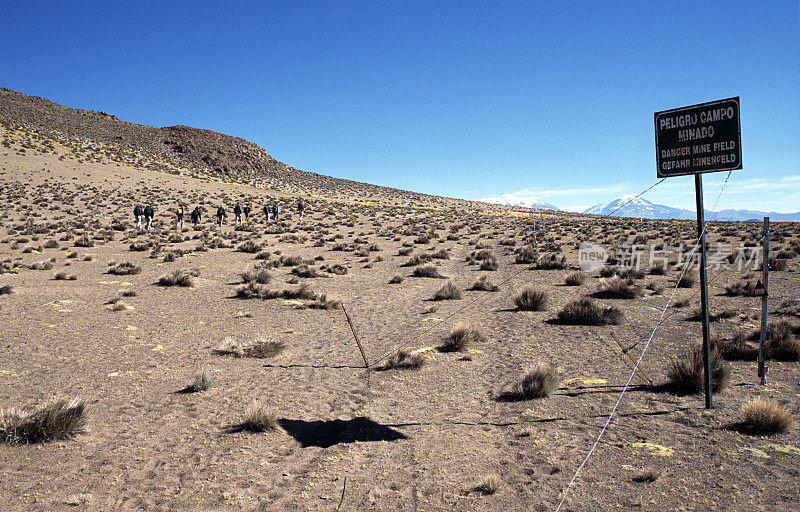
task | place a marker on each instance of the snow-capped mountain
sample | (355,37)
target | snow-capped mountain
(632,206)
(523,202)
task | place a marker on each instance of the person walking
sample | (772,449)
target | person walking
(195,216)
(148,216)
(266,214)
(137,213)
(275,211)
(301,207)
(221,215)
(237,214)
(180,214)
(246,211)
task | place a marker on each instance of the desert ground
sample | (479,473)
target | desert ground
(88,311)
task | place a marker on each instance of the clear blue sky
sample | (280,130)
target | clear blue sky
(466,99)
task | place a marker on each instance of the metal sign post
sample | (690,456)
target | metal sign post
(693,140)
(764,292)
(701,231)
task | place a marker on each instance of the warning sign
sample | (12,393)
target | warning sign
(699,138)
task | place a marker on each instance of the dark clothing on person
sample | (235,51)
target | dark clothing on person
(237,210)
(195,215)
(246,211)
(137,211)
(148,211)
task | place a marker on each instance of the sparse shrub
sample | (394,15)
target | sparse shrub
(531,299)
(483,284)
(6,289)
(169,257)
(552,261)
(737,348)
(260,276)
(489,264)
(257,418)
(262,347)
(777,264)
(686,281)
(657,269)
(396,280)
(527,254)
(125,268)
(201,382)
(323,302)
(617,287)
(249,246)
(461,337)
(647,476)
(767,417)
(449,291)
(489,485)
(685,374)
(586,312)
(575,279)
(57,419)
(746,288)
(427,271)
(781,344)
(138,246)
(404,359)
(417,259)
(177,278)
(538,382)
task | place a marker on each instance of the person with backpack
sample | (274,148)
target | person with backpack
(181,214)
(195,216)
(137,214)
(275,211)
(301,207)
(148,216)
(266,214)
(221,215)
(246,211)
(237,214)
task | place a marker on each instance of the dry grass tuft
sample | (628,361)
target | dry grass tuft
(538,382)
(448,292)
(461,337)
(57,419)
(531,299)
(262,347)
(178,278)
(685,374)
(257,418)
(585,312)
(483,284)
(575,279)
(648,475)
(767,417)
(427,271)
(489,485)
(202,382)
(617,287)
(404,359)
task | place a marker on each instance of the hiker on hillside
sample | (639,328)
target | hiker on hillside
(196,215)
(180,215)
(275,211)
(137,213)
(246,211)
(221,215)
(148,216)
(301,207)
(266,214)
(237,214)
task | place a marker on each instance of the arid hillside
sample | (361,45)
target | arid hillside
(183,147)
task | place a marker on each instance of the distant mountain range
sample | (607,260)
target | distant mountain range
(631,206)
(512,200)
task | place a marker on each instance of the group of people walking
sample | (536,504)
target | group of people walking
(241,214)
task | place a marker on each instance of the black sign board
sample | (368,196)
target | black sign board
(700,138)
